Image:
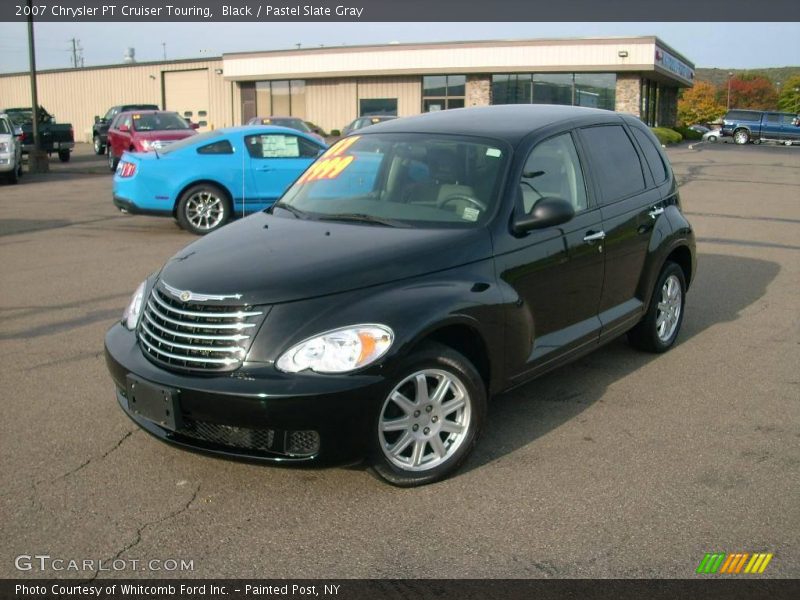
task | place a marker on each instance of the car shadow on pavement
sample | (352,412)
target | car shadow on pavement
(725,285)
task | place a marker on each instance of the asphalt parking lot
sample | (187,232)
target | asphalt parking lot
(620,465)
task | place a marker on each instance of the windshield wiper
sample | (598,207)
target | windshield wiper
(299,214)
(361,218)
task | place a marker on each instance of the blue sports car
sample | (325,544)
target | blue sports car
(205,180)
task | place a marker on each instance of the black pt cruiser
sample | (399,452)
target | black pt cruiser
(413,271)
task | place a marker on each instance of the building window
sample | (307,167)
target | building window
(280,98)
(597,90)
(377,106)
(440,92)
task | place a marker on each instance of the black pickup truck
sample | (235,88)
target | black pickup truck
(53,137)
(101,124)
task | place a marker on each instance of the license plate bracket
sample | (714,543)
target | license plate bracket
(156,403)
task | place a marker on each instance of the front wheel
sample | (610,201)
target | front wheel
(99,148)
(659,328)
(741,136)
(203,208)
(430,417)
(112,162)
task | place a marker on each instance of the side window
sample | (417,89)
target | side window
(615,163)
(652,155)
(4,126)
(773,118)
(279,145)
(112,112)
(220,147)
(553,170)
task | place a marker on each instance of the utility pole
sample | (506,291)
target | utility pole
(77,53)
(38,161)
(730,75)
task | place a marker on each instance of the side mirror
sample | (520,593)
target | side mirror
(547,212)
(96,118)
(124,128)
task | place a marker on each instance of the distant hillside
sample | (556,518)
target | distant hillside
(719,77)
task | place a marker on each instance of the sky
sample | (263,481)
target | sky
(721,45)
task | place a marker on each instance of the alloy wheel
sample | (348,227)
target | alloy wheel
(669,308)
(424,420)
(204,210)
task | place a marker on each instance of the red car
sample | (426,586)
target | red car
(145,131)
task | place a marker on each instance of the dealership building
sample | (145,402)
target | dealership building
(331,86)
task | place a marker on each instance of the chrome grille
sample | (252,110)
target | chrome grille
(196,336)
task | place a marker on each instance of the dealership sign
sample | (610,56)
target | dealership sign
(665,60)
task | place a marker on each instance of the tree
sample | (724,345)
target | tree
(753,91)
(699,105)
(789,99)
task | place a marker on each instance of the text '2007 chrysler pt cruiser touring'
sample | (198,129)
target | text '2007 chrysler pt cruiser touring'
(411,272)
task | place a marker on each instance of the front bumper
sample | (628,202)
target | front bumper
(255,413)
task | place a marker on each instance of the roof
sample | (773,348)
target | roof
(508,122)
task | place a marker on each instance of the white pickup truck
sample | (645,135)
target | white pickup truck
(10,150)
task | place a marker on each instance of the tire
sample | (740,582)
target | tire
(203,208)
(13,176)
(63,155)
(112,162)
(741,136)
(99,147)
(407,454)
(654,333)
(712,138)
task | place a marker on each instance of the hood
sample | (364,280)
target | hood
(270,259)
(164,134)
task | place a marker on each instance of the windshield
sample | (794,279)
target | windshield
(158,122)
(402,179)
(296,124)
(208,136)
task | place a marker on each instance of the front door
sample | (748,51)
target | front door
(556,272)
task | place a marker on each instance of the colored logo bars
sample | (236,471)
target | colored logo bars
(734,563)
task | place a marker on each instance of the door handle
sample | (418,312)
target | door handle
(592,236)
(264,169)
(657,210)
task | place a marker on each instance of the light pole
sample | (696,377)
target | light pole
(729,90)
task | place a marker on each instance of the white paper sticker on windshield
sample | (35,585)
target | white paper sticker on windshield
(494,152)
(470,214)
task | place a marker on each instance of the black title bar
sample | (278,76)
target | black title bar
(401,10)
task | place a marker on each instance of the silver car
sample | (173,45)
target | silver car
(10,150)
(712,135)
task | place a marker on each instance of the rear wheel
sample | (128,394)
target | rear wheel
(430,418)
(99,148)
(741,137)
(203,208)
(13,175)
(659,328)
(63,155)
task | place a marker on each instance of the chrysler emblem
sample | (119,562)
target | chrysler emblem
(187,295)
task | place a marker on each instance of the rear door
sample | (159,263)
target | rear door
(630,203)
(771,126)
(276,160)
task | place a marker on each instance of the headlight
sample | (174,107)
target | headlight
(146,145)
(131,315)
(5,147)
(339,350)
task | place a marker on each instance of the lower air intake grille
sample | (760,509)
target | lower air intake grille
(297,444)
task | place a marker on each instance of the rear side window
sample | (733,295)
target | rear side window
(742,115)
(651,154)
(220,147)
(4,126)
(278,145)
(615,163)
